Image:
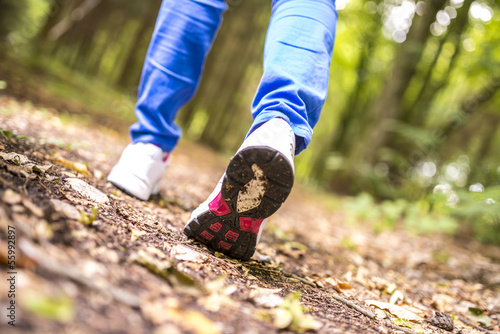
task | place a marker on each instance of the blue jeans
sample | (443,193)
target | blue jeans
(294,84)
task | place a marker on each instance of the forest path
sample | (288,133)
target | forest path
(91,261)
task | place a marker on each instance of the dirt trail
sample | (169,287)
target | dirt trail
(94,259)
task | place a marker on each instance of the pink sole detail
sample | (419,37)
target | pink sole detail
(218,206)
(252,225)
(232,235)
(224,245)
(216,227)
(207,235)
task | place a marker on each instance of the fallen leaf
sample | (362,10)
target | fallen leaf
(167,329)
(167,270)
(402,322)
(21,164)
(162,310)
(75,166)
(86,190)
(197,323)
(390,288)
(41,168)
(246,273)
(442,302)
(64,209)
(395,310)
(282,318)
(218,292)
(14,158)
(293,248)
(183,253)
(396,297)
(337,284)
(478,315)
(136,234)
(265,297)
(290,314)
(35,209)
(60,308)
(379,314)
(11,197)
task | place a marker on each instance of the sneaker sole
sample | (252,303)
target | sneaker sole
(257,182)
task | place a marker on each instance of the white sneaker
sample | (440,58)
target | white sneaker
(139,170)
(257,181)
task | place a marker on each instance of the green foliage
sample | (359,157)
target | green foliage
(481,210)
(424,216)
(8,135)
(443,211)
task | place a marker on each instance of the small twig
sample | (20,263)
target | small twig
(287,274)
(368,313)
(473,325)
(7,183)
(43,185)
(277,272)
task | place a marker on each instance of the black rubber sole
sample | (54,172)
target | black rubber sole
(223,231)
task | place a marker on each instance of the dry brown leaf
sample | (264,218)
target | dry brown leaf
(395,310)
(22,165)
(337,284)
(185,254)
(442,302)
(14,158)
(265,297)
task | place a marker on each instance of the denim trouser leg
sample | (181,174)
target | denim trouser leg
(297,56)
(183,35)
(294,84)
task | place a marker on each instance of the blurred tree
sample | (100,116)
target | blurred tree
(10,11)
(236,49)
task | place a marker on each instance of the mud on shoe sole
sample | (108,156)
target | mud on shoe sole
(257,181)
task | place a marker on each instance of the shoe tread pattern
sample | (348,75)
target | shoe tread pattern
(279,175)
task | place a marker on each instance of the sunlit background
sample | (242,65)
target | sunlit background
(410,127)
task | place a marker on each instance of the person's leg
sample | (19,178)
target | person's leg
(184,32)
(183,35)
(297,56)
(287,105)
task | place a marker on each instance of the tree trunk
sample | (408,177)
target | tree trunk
(387,107)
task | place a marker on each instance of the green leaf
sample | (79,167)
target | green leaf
(60,308)
(478,315)
(402,322)
(6,134)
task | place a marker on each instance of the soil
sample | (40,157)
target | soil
(124,266)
